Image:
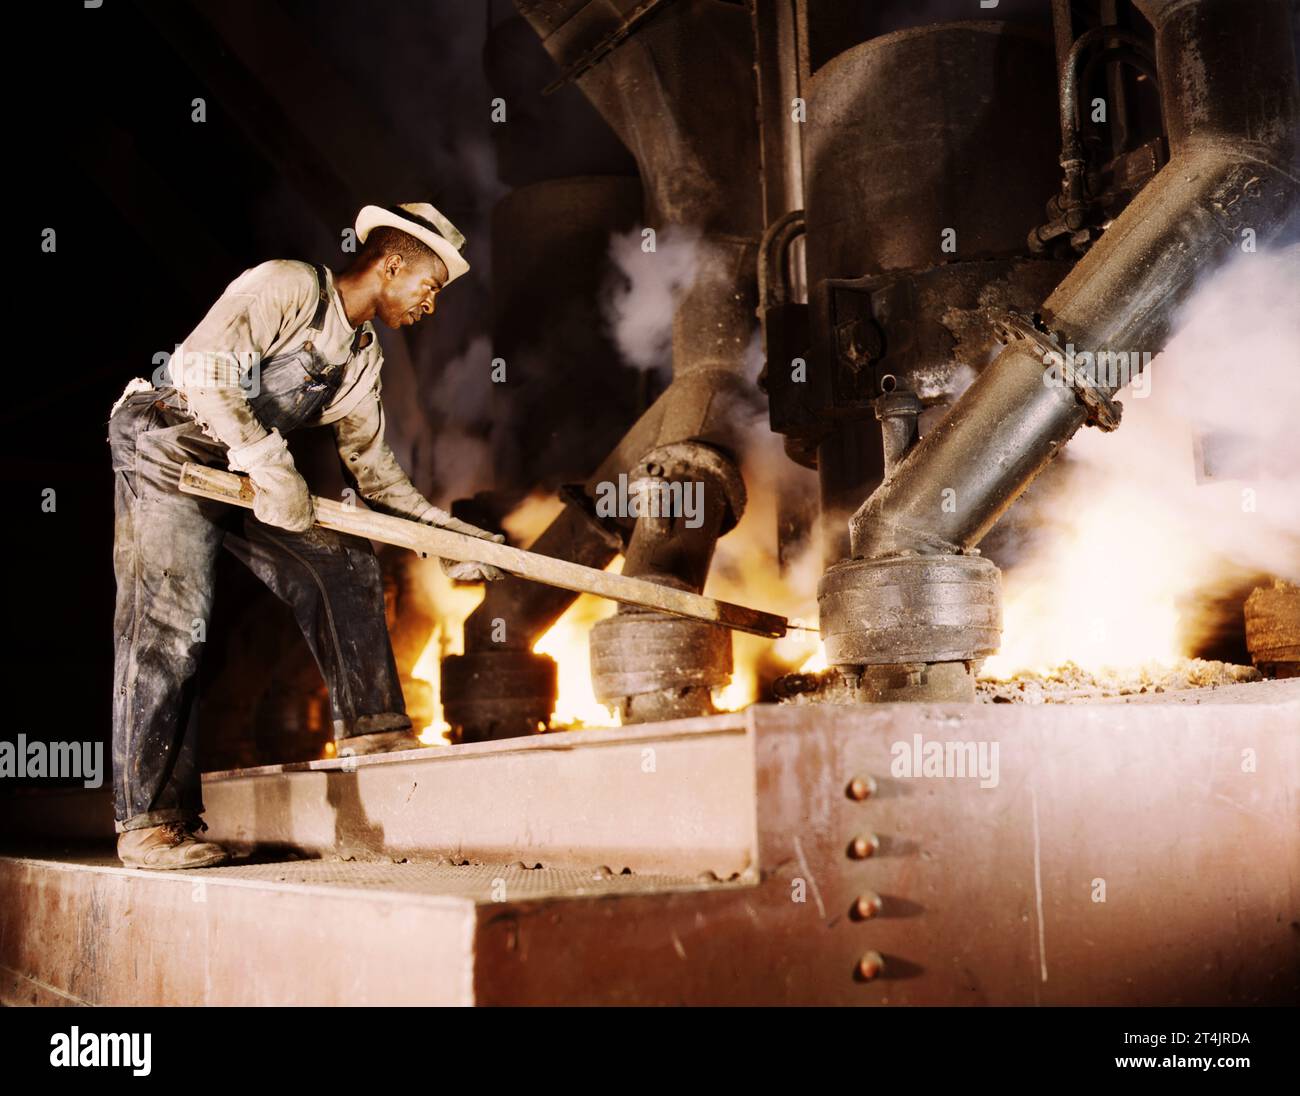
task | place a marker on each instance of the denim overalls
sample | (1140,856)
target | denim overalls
(164,555)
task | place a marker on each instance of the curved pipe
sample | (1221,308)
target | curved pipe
(1228,95)
(1071,149)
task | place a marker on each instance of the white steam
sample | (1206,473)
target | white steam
(642,299)
(1197,491)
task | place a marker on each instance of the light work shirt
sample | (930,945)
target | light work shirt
(267,312)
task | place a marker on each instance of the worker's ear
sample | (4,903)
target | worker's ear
(392,266)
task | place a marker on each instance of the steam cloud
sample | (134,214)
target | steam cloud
(1195,494)
(640,302)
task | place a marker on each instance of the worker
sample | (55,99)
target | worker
(288,345)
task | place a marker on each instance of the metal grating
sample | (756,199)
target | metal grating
(475,882)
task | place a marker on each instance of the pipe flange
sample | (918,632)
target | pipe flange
(638,652)
(910,609)
(684,460)
(1012,327)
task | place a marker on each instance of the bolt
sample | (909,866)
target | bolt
(863,846)
(861,787)
(869,966)
(866,906)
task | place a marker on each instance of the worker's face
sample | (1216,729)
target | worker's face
(408,289)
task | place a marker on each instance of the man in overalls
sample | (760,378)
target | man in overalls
(286,346)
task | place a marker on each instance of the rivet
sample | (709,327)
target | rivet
(863,846)
(870,966)
(866,906)
(861,787)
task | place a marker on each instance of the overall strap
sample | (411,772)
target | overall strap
(323,298)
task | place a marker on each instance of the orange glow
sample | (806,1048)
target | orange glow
(566,642)
(1121,558)
(745,570)
(452,604)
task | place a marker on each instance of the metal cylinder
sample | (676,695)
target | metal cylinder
(910,230)
(1227,71)
(672,91)
(910,609)
(652,666)
(918,683)
(901,148)
(897,413)
(960,478)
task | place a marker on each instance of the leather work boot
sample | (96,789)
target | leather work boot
(167,847)
(377,742)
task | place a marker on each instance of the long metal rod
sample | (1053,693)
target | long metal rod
(213,483)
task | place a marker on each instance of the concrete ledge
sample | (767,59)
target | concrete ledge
(673,797)
(72,933)
(670,797)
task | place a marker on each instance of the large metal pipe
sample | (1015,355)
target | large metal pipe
(1228,95)
(672,87)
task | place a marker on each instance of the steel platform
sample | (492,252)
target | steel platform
(1128,853)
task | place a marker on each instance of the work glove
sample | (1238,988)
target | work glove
(463,572)
(282,498)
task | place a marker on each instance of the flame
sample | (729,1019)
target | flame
(816,661)
(1144,537)
(747,572)
(452,605)
(747,569)
(566,642)
(1055,610)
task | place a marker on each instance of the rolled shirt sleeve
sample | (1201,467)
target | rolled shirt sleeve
(380,479)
